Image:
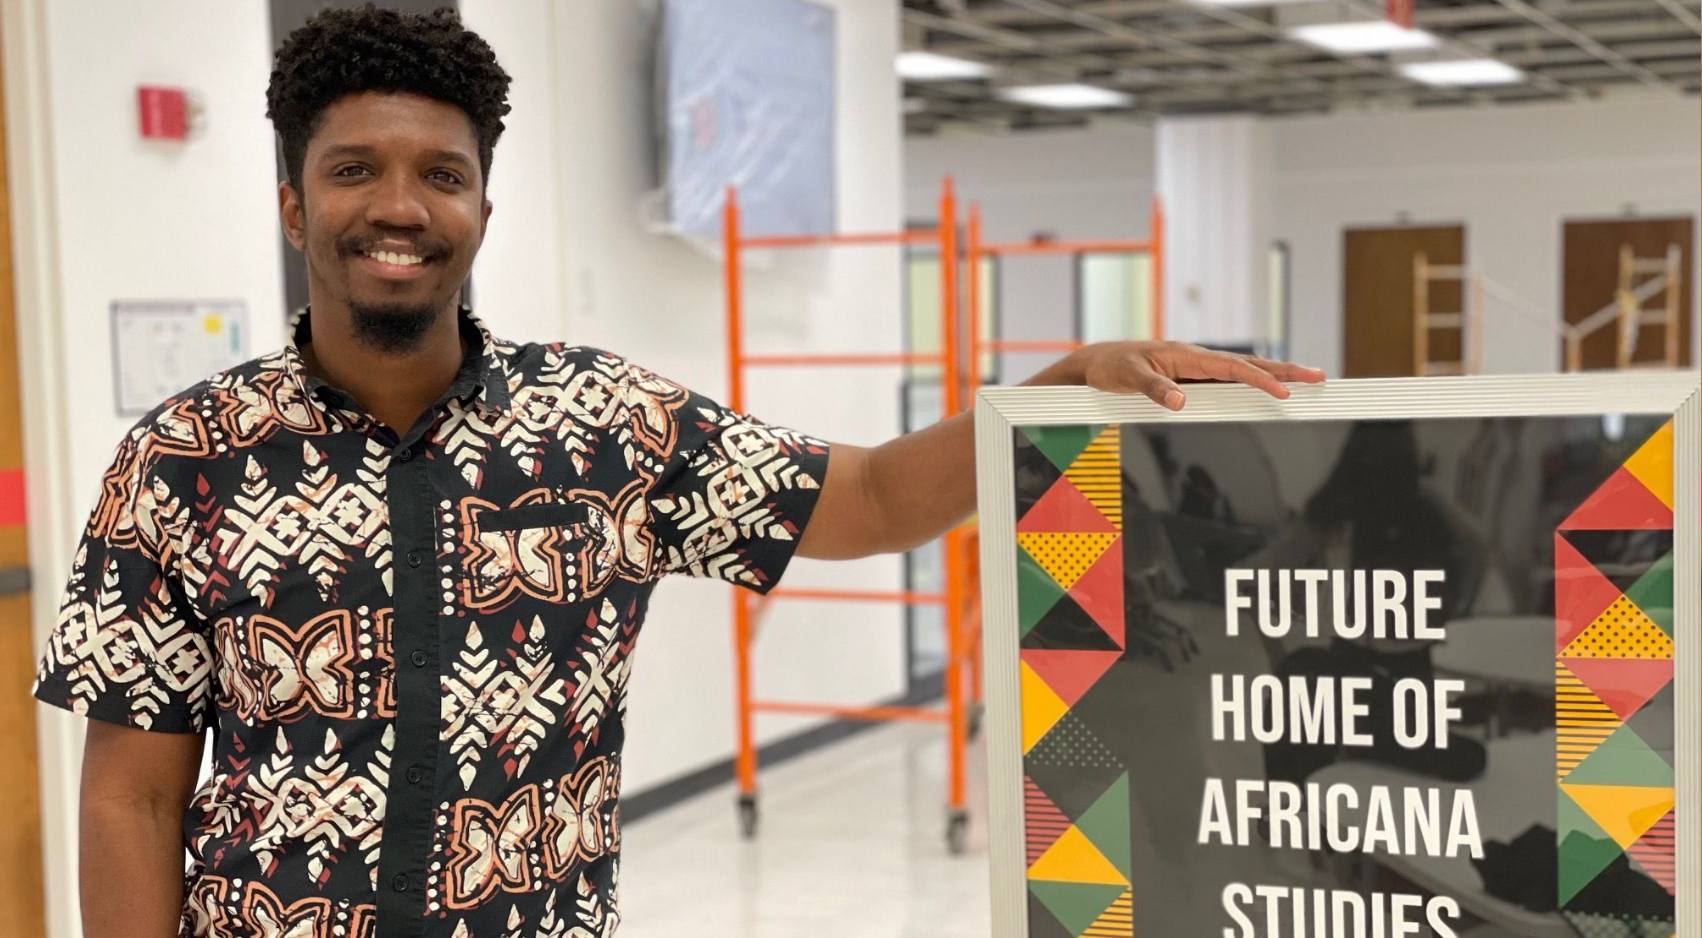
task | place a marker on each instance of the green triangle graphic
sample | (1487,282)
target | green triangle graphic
(1077,905)
(1584,849)
(1042,923)
(1106,824)
(1062,444)
(1653,593)
(1623,759)
(1036,592)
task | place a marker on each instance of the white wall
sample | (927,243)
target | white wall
(1067,184)
(517,278)
(658,300)
(1511,175)
(99,215)
(126,220)
(1214,180)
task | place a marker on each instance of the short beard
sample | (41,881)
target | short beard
(392,328)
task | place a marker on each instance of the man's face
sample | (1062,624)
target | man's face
(391,212)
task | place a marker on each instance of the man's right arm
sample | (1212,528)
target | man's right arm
(136,787)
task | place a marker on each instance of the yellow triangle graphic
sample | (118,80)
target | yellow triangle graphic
(1624,812)
(1074,859)
(1118,921)
(1065,555)
(1622,631)
(1098,474)
(1652,464)
(1041,708)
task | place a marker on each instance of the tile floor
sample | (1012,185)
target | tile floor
(852,844)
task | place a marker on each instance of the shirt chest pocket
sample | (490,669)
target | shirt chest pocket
(537,552)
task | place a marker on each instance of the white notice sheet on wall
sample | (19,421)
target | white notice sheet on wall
(160,347)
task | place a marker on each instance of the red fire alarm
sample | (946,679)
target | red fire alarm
(1398,12)
(164,112)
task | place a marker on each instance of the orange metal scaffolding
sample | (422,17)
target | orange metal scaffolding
(961,609)
(747,610)
(976,249)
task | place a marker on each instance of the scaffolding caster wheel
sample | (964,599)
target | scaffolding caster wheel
(747,816)
(976,713)
(957,832)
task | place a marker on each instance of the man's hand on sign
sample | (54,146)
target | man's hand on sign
(906,492)
(1155,368)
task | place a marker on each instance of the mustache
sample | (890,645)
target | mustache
(359,244)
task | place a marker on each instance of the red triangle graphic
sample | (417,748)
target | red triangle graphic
(1621,504)
(1064,508)
(1581,593)
(1655,866)
(1069,672)
(1099,591)
(1624,684)
(1653,853)
(1043,823)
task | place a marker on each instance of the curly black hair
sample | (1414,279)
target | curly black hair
(342,52)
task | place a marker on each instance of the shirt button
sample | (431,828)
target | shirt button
(404,454)
(415,558)
(400,883)
(419,659)
(414,775)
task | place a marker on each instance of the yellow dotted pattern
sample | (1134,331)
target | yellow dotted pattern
(1065,555)
(1098,473)
(1623,631)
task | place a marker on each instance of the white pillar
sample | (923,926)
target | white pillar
(1214,178)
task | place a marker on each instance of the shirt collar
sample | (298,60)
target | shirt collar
(481,381)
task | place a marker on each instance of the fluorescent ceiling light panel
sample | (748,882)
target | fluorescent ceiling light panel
(1067,96)
(930,66)
(1363,38)
(1463,72)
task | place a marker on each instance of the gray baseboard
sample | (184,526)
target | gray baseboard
(638,804)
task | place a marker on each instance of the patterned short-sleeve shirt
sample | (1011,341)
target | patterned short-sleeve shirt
(412,650)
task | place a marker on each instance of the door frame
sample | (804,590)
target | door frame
(43,399)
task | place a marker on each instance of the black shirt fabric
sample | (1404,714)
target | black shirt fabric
(412,651)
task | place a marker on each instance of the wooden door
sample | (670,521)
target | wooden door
(1377,300)
(21,895)
(1590,277)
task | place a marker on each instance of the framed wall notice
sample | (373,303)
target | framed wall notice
(1389,659)
(160,347)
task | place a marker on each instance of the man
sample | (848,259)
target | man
(398,567)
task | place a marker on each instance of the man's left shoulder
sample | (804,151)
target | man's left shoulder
(559,363)
(552,361)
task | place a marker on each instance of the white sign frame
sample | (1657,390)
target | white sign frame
(999,410)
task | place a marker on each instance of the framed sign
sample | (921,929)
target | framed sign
(160,347)
(1388,659)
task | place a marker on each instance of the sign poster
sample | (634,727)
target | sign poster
(1351,678)
(160,347)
